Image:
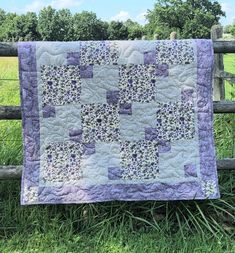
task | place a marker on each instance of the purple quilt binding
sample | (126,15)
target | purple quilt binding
(30,114)
(108,192)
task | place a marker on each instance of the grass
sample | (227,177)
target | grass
(229,67)
(113,227)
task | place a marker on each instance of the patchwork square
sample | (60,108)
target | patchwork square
(139,159)
(60,85)
(48,111)
(62,162)
(86,71)
(117,120)
(100,122)
(73,58)
(98,52)
(175,121)
(175,52)
(137,82)
(190,170)
(115,173)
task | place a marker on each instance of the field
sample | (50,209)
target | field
(113,227)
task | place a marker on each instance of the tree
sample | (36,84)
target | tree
(232,30)
(2,16)
(47,24)
(19,27)
(135,30)
(190,18)
(227,28)
(26,26)
(64,22)
(55,25)
(87,26)
(6,27)
(117,31)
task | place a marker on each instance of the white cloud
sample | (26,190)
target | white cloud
(37,5)
(225,7)
(60,4)
(124,15)
(141,18)
(121,16)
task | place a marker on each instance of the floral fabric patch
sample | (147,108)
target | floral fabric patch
(175,52)
(60,84)
(140,160)
(62,162)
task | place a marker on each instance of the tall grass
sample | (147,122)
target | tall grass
(126,227)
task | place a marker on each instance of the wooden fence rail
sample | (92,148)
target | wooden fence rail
(14,112)
(15,172)
(220,46)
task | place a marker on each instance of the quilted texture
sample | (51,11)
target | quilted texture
(117,120)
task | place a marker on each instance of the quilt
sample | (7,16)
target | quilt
(117,120)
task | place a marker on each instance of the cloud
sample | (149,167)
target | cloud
(60,4)
(121,16)
(225,7)
(124,15)
(141,18)
(37,5)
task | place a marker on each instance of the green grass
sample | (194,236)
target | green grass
(229,66)
(113,227)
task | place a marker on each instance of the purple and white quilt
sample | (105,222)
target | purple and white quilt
(117,120)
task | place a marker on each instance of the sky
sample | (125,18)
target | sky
(105,9)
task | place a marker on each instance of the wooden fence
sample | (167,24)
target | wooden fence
(220,47)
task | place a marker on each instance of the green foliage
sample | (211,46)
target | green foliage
(87,26)
(2,16)
(117,30)
(61,25)
(55,25)
(227,28)
(64,24)
(19,27)
(135,30)
(190,18)
(232,29)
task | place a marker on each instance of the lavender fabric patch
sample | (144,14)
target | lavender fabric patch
(86,71)
(150,57)
(190,170)
(48,111)
(144,133)
(73,58)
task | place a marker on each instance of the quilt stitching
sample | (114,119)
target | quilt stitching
(93,143)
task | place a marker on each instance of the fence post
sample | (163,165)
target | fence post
(156,36)
(218,88)
(173,36)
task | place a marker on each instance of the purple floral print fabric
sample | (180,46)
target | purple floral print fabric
(117,120)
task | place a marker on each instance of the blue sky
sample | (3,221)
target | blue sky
(105,9)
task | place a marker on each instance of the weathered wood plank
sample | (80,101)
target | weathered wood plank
(220,46)
(224,75)
(8,49)
(224,106)
(15,172)
(10,112)
(10,172)
(218,85)
(14,112)
(224,46)
(226,164)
